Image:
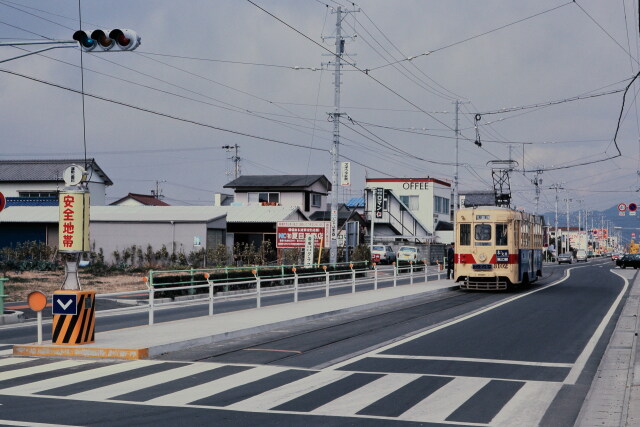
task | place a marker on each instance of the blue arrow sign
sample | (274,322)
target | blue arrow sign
(65,304)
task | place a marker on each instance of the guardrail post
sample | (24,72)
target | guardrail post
(353,279)
(295,285)
(258,289)
(151,298)
(206,276)
(411,272)
(191,290)
(426,274)
(439,269)
(395,274)
(375,277)
(326,272)
(2,295)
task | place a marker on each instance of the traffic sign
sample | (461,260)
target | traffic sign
(65,304)
(622,207)
(3,202)
(632,208)
(37,301)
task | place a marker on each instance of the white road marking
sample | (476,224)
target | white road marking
(77,377)
(14,360)
(588,349)
(351,403)
(277,396)
(528,405)
(112,390)
(447,324)
(440,404)
(42,368)
(201,391)
(31,424)
(467,359)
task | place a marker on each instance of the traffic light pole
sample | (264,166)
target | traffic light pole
(60,44)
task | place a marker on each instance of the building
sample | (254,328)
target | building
(412,206)
(36,179)
(133,199)
(308,192)
(180,229)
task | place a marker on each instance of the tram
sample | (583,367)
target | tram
(497,247)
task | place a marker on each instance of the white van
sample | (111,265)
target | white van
(581,255)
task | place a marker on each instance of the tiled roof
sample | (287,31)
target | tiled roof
(44,170)
(145,199)
(277,181)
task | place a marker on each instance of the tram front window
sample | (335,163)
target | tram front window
(501,235)
(483,234)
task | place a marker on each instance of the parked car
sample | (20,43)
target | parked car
(628,260)
(407,253)
(383,254)
(565,258)
(581,255)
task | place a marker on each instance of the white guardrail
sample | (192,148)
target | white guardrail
(258,290)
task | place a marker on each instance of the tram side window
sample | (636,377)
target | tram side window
(501,235)
(465,234)
(483,233)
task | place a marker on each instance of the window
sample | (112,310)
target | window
(258,198)
(440,205)
(483,232)
(44,193)
(316,200)
(465,234)
(501,235)
(411,202)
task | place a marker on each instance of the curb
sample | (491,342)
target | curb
(11,316)
(48,350)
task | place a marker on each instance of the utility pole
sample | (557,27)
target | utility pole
(537,181)
(456,193)
(157,193)
(235,159)
(557,187)
(567,200)
(335,150)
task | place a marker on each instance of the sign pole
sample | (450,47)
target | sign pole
(39,314)
(37,302)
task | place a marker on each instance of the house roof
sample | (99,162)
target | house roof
(356,202)
(290,182)
(44,170)
(145,199)
(49,214)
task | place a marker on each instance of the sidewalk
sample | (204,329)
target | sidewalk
(614,395)
(142,342)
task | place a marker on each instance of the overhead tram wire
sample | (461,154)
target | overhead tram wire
(475,37)
(351,64)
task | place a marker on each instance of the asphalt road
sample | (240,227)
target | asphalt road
(515,358)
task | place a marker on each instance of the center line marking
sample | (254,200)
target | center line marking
(272,349)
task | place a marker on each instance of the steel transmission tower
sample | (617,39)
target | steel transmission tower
(335,150)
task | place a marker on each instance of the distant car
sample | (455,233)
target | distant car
(581,255)
(628,260)
(565,258)
(615,256)
(383,254)
(407,253)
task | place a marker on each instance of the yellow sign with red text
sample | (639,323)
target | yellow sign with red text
(73,228)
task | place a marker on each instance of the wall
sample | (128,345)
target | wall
(11,189)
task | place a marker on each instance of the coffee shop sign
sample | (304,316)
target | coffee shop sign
(416,185)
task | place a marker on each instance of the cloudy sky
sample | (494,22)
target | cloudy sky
(224,72)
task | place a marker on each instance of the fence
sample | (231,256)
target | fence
(257,286)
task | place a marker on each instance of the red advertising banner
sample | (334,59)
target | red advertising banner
(292,234)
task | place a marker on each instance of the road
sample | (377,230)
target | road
(458,358)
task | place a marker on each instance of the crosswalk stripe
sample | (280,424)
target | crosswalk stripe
(193,394)
(74,378)
(42,368)
(528,405)
(351,403)
(285,393)
(107,392)
(13,360)
(439,405)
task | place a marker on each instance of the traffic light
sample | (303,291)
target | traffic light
(119,39)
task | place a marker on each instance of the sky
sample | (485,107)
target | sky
(214,73)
